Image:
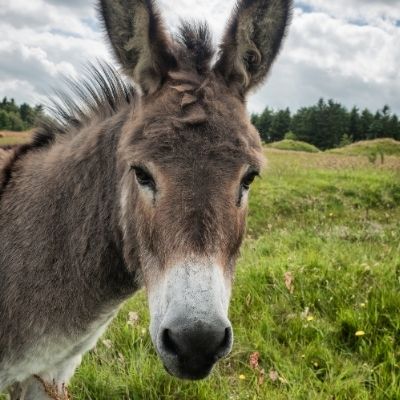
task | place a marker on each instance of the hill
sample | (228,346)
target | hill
(293,145)
(387,147)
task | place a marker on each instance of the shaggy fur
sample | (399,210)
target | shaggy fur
(119,188)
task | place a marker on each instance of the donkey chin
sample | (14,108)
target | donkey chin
(189,318)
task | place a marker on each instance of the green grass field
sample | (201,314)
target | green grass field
(317,296)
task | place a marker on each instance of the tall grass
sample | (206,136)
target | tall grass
(316,301)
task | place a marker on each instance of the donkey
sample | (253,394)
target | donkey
(141,186)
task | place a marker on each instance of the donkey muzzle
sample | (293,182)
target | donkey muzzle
(190,351)
(189,324)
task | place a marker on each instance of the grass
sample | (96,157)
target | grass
(321,262)
(387,147)
(294,145)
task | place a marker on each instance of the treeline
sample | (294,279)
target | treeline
(327,124)
(18,118)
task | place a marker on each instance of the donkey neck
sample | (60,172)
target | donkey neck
(59,232)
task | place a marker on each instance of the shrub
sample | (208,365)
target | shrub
(290,136)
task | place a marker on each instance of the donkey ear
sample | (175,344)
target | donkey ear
(252,41)
(138,40)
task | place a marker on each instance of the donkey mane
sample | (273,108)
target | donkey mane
(101,93)
(196,46)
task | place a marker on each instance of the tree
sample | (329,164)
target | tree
(5,123)
(327,124)
(280,125)
(394,127)
(263,124)
(376,129)
(302,122)
(16,123)
(322,125)
(27,114)
(338,122)
(18,118)
(355,130)
(366,121)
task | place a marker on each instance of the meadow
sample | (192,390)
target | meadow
(316,301)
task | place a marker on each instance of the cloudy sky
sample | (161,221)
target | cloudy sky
(348,50)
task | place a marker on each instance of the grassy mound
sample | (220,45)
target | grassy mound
(387,147)
(316,300)
(294,145)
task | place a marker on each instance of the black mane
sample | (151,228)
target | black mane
(197,49)
(101,91)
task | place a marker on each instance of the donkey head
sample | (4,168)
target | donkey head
(187,157)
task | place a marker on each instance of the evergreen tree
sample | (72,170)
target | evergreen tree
(376,129)
(301,123)
(327,124)
(355,130)
(280,125)
(365,124)
(394,127)
(263,124)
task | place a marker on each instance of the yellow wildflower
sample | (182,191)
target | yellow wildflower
(360,333)
(242,377)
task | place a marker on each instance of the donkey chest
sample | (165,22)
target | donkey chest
(52,351)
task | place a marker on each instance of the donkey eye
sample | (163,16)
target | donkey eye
(248,179)
(144,178)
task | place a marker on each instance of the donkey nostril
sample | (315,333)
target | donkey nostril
(169,345)
(225,344)
(200,342)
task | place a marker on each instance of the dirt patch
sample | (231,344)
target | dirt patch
(24,134)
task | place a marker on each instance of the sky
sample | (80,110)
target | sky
(348,50)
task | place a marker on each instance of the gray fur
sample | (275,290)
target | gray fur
(61,266)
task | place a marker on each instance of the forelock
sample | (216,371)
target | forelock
(195,47)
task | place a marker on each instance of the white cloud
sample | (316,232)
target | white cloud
(361,10)
(329,57)
(344,49)
(215,12)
